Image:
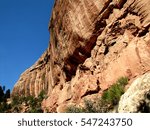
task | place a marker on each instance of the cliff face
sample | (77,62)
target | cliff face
(93,43)
(35,79)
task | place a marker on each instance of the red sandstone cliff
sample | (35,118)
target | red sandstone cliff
(93,43)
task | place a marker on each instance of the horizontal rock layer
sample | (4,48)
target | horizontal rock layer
(93,43)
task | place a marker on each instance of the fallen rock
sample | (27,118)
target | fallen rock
(137,97)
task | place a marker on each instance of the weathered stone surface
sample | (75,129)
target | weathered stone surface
(35,79)
(93,43)
(136,99)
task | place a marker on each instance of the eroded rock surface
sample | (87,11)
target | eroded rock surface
(93,43)
(35,79)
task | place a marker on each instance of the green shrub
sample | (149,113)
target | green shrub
(32,102)
(113,94)
(35,110)
(4,107)
(123,81)
(15,100)
(75,109)
(90,106)
(42,95)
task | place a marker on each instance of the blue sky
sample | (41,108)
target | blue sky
(24,36)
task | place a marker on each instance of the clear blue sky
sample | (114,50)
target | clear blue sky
(24,36)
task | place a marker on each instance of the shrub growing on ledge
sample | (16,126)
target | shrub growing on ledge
(109,99)
(113,94)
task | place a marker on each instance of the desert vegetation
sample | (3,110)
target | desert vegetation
(20,104)
(4,96)
(105,103)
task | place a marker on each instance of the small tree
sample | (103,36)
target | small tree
(7,94)
(1,94)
